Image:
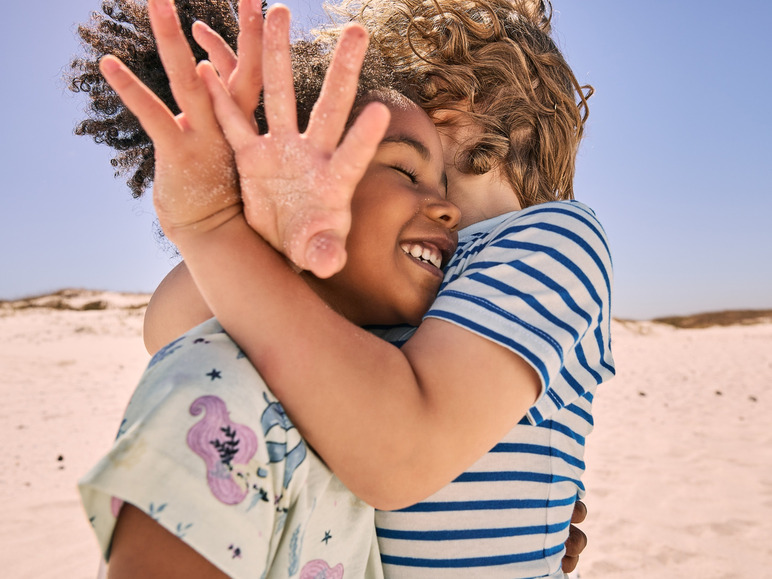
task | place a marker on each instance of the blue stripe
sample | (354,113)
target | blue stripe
(470,534)
(579,350)
(539,450)
(553,395)
(536,415)
(512,476)
(563,429)
(491,505)
(581,413)
(471,561)
(602,349)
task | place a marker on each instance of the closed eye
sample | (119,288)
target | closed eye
(409,173)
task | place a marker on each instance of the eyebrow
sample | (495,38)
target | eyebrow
(419,147)
(404,140)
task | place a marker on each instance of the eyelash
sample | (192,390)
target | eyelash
(408,172)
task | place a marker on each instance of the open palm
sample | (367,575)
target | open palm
(297,187)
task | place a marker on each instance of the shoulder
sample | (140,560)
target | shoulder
(561,237)
(565,218)
(535,281)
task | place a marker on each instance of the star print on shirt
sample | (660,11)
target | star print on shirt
(214,374)
(327,537)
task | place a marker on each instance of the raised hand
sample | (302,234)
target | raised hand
(195,177)
(297,187)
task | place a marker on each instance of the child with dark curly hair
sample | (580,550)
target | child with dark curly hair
(470,436)
(508,357)
(208,476)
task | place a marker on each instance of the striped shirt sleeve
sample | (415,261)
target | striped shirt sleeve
(538,283)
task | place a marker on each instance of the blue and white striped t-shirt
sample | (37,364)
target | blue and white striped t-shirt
(537,281)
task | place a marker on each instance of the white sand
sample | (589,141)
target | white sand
(679,466)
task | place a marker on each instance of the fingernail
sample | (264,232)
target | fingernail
(165,6)
(109,64)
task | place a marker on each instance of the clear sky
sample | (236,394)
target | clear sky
(677,161)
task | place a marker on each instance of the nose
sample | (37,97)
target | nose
(444,212)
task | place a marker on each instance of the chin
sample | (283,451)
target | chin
(418,315)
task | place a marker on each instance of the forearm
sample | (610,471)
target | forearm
(387,421)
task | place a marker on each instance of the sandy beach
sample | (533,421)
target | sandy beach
(679,467)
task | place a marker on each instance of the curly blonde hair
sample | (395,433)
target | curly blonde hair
(497,61)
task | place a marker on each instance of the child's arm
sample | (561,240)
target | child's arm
(163,555)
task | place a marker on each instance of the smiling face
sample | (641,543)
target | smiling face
(402,228)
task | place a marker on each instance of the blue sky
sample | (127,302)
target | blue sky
(676,162)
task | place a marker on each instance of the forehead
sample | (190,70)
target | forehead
(409,120)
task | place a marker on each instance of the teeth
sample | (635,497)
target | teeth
(424,253)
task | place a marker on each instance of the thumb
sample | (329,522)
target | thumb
(325,254)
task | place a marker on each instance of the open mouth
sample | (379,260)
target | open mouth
(424,252)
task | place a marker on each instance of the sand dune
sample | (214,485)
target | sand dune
(679,467)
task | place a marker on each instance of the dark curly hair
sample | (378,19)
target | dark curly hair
(122,28)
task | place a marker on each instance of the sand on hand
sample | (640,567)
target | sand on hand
(679,473)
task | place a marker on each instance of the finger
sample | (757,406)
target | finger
(219,53)
(177,58)
(247,81)
(238,131)
(331,112)
(576,542)
(580,512)
(279,90)
(154,116)
(568,564)
(358,148)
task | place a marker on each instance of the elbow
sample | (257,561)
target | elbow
(393,485)
(389,499)
(395,503)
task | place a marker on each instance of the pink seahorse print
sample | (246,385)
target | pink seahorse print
(318,569)
(222,444)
